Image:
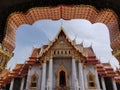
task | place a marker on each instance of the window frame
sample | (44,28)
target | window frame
(91,76)
(32,81)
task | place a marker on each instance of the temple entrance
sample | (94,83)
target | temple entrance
(62,79)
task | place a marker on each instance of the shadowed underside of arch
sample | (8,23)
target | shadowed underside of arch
(105,16)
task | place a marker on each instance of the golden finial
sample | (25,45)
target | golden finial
(61,28)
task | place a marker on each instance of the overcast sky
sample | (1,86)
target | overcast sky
(38,34)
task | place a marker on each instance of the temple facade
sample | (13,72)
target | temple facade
(61,65)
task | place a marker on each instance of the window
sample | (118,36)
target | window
(34,80)
(68,52)
(54,52)
(91,80)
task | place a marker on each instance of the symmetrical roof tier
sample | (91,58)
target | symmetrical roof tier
(21,70)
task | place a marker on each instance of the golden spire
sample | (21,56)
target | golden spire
(61,28)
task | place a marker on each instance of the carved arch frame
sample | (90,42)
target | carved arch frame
(92,76)
(31,81)
(62,68)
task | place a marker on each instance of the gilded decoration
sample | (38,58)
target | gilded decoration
(34,81)
(61,46)
(116,53)
(91,81)
(5,56)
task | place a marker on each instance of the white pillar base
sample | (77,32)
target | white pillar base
(28,79)
(74,76)
(50,77)
(22,83)
(114,84)
(43,86)
(97,80)
(103,83)
(11,85)
(81,78)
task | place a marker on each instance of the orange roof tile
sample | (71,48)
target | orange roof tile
(87,12)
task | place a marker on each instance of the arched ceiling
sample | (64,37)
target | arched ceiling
(9,6)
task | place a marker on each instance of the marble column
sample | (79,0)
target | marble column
(50,75)
(22,83)
(103,83)
(97,80)
(85,77)
(11,85)
(28,79)
(74,76)
(40,78)
(81,78)
(43,86)
(114,84)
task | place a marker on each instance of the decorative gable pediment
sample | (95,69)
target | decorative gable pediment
(61,46)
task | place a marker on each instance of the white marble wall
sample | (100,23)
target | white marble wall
(67,63)
(32,70)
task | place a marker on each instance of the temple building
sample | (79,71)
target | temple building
(62,64)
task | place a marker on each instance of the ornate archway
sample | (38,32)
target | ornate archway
(87,12)
(62,78)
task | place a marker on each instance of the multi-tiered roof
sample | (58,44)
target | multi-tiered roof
(86,55)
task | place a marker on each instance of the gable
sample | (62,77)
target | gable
(61,46)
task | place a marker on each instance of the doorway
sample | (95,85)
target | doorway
(62,78)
